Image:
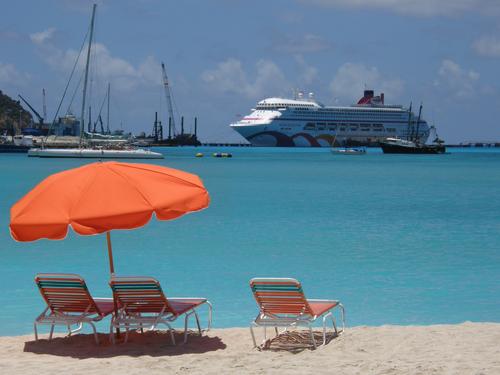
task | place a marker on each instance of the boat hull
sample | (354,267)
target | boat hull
(6,148)
(389,148)
(94,154)
(348,151)
(293,134)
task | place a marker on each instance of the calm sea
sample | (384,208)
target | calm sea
(399,239)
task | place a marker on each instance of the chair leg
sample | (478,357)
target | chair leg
(95,332)
(209,315)
(51,331)
(253,335)
(171,333)
(197,321)
(335,326)
(312,337)
(324,328)
(36,331)
(186,318)
(342,310)
(111,333)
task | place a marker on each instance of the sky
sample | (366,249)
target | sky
(223,56)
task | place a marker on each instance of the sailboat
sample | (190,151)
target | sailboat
(412,145)
(107,151)
(346,150)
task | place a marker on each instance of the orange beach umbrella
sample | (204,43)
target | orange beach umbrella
(100,197)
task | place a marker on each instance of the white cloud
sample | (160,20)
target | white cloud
(309,73)
(487,46)
(417,7)
(230,77)
(452,77)
(123,75)
(42,36)
(10,75)
(352,78)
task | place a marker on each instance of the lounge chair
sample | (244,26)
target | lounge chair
(143,305)
(69,303)
(282,304)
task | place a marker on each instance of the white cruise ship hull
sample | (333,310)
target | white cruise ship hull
(294,135)
(279,122)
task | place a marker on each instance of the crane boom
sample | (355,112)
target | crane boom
(40,119)
(44,105)
(168,97)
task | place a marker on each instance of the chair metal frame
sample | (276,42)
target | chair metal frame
(52,316)
(150,320)
(294,320)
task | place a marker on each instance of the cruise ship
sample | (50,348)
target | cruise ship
(304,122)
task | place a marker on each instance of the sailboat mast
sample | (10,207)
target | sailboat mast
(168,96)
(82,126)
(107,120)
(408,134)
(417,138)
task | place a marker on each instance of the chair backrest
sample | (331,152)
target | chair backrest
(138,294)
(65,293)
(279,296)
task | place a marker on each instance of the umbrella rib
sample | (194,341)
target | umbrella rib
(133,185)
(137,166)
(91,181)
(51,180)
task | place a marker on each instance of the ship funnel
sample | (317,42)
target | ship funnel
(311,95)
(367,97)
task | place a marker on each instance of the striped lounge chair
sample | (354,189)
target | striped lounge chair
(282,303)
(143,305)
(69,303)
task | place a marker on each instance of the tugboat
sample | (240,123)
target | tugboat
(403,146)
(414,144)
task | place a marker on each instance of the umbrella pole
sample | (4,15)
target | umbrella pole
(112,271)
(110,254)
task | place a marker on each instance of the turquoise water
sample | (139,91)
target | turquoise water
(399,239)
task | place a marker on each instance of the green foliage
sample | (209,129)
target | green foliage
(9,114)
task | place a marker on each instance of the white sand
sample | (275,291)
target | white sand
(468,348)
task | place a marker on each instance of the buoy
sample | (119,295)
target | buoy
(222,155)
(199,155)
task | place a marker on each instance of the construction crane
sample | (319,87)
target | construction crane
(44,105)
(169,99)
(40,118)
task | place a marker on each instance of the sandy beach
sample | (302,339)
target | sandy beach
(467,348)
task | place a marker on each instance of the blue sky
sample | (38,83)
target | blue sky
(223,56)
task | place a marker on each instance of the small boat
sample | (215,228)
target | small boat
(349,151)
(403,146)
(17,144)
(222,155)
(95,153)
(413,144)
